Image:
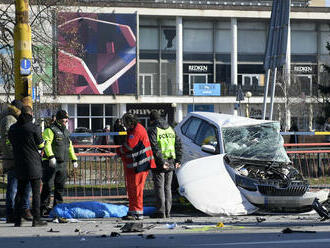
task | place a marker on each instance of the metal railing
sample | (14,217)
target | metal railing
(298,3)
(100,174)
(313,162)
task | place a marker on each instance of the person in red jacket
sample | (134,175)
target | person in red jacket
(137,158)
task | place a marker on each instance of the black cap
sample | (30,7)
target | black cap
(61,114)
(18,104)
(154,115)
(129,120)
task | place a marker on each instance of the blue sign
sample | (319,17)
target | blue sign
(25,67)
(207,90)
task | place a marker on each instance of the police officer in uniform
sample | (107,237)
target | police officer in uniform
(58,151)
(166,148)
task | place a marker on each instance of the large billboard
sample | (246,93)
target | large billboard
(96,53)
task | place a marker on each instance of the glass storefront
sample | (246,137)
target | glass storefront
(92,116)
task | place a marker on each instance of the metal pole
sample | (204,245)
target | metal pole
(273,94)
(179,66)
(233,51)
(22,50)
(179,56)
(265,95)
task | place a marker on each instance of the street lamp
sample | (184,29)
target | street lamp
(248,96)
(239,98)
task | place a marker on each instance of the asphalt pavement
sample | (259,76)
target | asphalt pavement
(185,228)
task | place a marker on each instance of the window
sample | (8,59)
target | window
(196,79)
(168,39)
(97,124)
(109,109)
(146,84)
(193,128)
(305,84)
(83,122)
(82,109)
(185,126)
(249,79)
(97,109)
(207,135)
(93,116)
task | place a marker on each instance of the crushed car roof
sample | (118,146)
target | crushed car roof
(225,120)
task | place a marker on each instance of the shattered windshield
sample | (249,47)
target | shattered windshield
(262,141)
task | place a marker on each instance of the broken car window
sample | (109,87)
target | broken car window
(262,141)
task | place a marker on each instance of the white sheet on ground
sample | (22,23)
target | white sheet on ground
(207,185)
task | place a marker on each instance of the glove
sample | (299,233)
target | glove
(75,164)
(52,162)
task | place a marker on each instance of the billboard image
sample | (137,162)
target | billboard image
(96,53)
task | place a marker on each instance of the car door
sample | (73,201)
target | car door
(194,133)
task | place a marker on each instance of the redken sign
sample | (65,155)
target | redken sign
(197,68)
(304,69)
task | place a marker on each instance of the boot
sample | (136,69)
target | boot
(10,219)
(17,222)
(37,223)
(27,215)
(133,217)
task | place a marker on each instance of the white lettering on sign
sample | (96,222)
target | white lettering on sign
(198,68)
(144,111)
(304,69)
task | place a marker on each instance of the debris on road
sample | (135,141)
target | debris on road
(289,230)
(171,226)
(114,234)
(150,236)
(132,227)
(260,219)
(321,210)
(220,224)
(188,221)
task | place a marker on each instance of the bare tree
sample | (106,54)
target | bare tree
(290,98)
(42,19)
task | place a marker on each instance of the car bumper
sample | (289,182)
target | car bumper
(293,202)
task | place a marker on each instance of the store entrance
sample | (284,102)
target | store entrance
(304,83)
(196,79)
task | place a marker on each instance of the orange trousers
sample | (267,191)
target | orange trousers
(135,185)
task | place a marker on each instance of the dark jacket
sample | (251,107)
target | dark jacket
(26,140)
(58,144)
(152,133)
(9,118)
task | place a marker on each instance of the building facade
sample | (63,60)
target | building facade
(179,57)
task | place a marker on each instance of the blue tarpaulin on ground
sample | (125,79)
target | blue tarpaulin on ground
(92,209)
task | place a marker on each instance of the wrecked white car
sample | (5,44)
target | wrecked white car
(235,165)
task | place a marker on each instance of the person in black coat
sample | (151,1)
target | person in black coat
(294,137)
(26,139)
